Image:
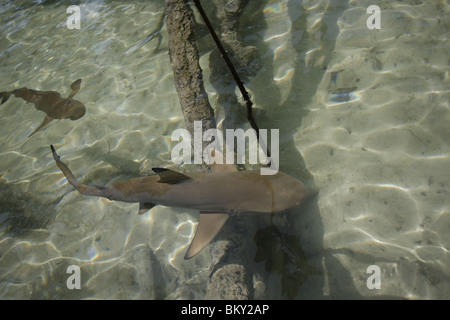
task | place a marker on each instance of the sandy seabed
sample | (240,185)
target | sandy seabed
(363,114)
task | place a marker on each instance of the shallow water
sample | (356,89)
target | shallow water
(362,113)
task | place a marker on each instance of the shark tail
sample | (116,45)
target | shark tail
(66,171)
(5,96)
(83,189)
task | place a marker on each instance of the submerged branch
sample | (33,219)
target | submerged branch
(184,58)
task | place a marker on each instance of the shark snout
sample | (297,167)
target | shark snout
(76,110)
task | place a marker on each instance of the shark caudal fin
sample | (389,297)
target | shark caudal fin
(83,189)
(66,171)
(209,225)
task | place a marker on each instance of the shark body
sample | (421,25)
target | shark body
(51,103)
(217,195)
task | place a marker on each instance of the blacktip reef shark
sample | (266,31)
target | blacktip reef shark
(217,195)
(51,103)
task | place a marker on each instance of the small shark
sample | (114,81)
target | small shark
(51,103)
(217,195)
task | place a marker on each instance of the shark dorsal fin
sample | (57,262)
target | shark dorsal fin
(145,206)
(170,176)
(75,86)
(209,225)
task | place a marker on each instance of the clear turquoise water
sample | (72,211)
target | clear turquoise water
(362,112)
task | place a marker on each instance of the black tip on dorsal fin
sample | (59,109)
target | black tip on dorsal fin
(169,176)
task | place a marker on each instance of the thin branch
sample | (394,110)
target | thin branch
(230,65)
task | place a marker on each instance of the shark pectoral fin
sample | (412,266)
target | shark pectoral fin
(5,96)
(145,206)
(208,227)
(169,176)
(75,86)
(46,121)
